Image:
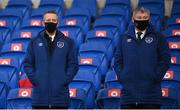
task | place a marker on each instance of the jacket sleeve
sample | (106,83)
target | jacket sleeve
(164,58)
(29,63)
(118,63)
(72,62)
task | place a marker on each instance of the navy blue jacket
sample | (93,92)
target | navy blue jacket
(50,74)
(141,66)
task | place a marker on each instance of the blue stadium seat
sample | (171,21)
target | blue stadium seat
(170,97)
(6,34)
(154,11)
(3,93)
(174,19)
(91,5)
(172,30)
(1,40)
(42,9)
(122,12)
(175,57)
(101,36)
(78,12)
(72,22)
(80,21)
(14,50)
(112,63)
(96,49)
(156,22)
(111,80)
(118,3)
(155,7)
(176,1)
(9,78)
(109,98)
(9,12)
(8,61)
(91,60)
(175,8)
(8,25)
(105,40)
(81,18)
(9,72)
(19,98)
(172,80)
(52,2)
(115,23)
(32,23)
(73,32)
(151,1)
(27,3)
(85,81)
(172,76)
(95,70)
(175,13)
(23,35)
(115,26)
(78,98)
(20,6)
(91,50)
(24,12)
(174,42)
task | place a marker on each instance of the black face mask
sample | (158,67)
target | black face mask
(50,27)
(141,24)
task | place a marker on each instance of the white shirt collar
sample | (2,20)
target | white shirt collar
(52,36)
(142,35)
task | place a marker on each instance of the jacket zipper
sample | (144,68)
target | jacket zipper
(138,45)
(49,90)
(50,55)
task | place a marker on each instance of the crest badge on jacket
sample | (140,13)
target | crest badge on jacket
(60,44)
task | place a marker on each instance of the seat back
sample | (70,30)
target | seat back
(19,99)
(78,98)
(91,5)
(111,80)
(170,97)
(109,98)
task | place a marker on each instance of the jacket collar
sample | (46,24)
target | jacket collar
(57,37)
(131,30)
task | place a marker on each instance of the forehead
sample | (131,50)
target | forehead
(50,15)
(139,13)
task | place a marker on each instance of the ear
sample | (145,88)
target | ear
(43,23)
(57,24)
(132,19)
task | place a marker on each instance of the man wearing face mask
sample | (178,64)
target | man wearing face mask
(51,63)
(141,61)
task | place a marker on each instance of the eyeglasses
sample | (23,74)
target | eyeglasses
(50,20)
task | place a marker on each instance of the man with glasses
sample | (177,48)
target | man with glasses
(51,63)
(141,61)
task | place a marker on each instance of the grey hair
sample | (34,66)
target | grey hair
(141,10)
